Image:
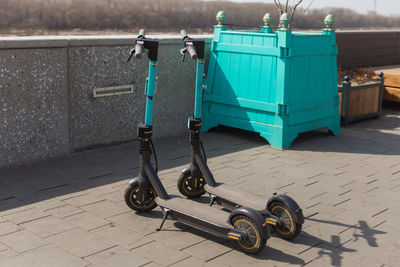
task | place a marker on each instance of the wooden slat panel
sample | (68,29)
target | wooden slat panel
(364,102)
(391,94)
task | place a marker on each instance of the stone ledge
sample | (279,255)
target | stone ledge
(84,40)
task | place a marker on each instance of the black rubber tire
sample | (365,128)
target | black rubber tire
(256,240)
(188,192)
(290,229)
(133,202)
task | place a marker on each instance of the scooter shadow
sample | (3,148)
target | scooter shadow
(268,253)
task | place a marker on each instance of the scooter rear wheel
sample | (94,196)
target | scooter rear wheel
(145,202)
(254,240)
(288,227)
(185,188)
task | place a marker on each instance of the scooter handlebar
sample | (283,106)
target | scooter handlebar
(142,33)
(138,50)
(192,51)
(184,34)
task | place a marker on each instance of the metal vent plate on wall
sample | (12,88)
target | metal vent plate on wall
(113,90)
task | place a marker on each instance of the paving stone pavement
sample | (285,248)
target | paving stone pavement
(70,211)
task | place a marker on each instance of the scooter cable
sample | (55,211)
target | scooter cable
(155,155)
(204,152)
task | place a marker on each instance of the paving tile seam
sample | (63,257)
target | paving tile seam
(224,253)
(313,205)
(99,176)
(65,217)
(370,190)
(346,184)
(379,224)
(18,211)
(91,203)
(323,193)
(344,243)
(19,224)
(283,186)
(146,263)
(348,191)
(382,211)
(7,198)
(97,252)
(316,175)
(341,202)
(372,174)
(68,198)
(309,248)
(63,205)
(53,187)
(44,245)
(141,245)
(311,215)
(192,245)
(351,227)
(63,231)
(306,185)
(188,256)
(308,262)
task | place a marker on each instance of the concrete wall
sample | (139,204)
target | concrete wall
(46,103)
(46,83)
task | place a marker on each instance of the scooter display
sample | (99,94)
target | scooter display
(243,225)
(280,211)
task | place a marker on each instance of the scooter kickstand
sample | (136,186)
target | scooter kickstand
(212,199)
(165,215)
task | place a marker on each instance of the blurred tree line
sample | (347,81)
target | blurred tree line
(164,15)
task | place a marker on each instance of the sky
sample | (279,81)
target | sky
(384,7)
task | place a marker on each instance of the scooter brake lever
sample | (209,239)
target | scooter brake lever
(131,54)
(183,53)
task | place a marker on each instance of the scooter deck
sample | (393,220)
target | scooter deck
(237,196)
(195,210)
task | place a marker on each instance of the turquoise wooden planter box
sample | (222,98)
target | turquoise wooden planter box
(276,83)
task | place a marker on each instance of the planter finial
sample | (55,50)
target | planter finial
(267,20)
(347,78)
(221,18)
(329,21)
(285,21)
(380,77)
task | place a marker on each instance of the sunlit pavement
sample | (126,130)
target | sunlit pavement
(70,211)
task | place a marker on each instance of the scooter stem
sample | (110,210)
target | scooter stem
(199,88)
(151,84)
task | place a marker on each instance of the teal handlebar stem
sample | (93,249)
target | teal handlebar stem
(151,84)
(199,88)
(195,48)
(141,44)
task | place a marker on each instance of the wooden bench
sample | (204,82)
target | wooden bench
(392,81)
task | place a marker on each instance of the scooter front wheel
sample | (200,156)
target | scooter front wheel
(288,228)
(191,187)
(140,202)
(254,240)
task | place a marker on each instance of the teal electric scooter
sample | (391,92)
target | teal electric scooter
(243,225)
(280,211)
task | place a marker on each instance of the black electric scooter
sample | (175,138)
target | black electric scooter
(281,211)
(243,225)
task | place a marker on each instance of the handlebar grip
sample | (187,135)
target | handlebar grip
(192,52)
(184,34)
(142,33)
(138,50)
